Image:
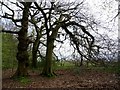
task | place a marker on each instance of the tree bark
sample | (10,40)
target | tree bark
(34,53)
(36,46)
(22,55)
(47,70)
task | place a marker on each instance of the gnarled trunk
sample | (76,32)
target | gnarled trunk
(22,55)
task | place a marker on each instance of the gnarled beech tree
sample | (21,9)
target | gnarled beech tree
(22,54)
(63,17)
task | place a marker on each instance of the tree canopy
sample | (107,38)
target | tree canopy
(50,21)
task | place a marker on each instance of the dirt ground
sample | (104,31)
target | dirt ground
(64,79)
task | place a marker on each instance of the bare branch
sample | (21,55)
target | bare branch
(8,31)
(83,29)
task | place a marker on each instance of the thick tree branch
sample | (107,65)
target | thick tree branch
(45,17)
(82,28)
(7,31)
(75,41)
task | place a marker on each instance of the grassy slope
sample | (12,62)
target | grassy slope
(9,49)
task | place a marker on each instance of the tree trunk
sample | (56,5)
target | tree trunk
(47,70)
(36,47)
(22,55)
(81,62)
(22,69)
(34,53)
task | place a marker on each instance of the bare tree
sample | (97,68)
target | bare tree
(64,17)
(49,20)
(22,55)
